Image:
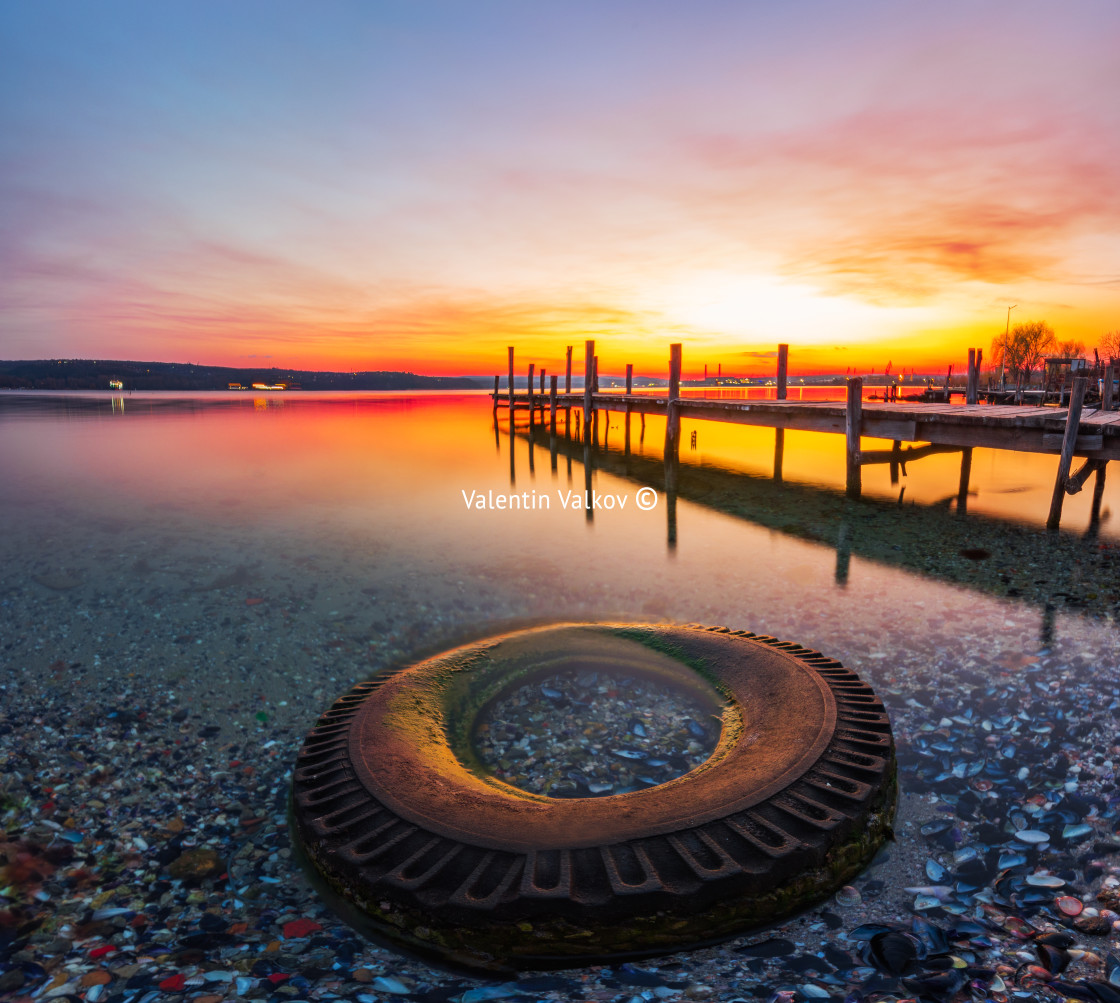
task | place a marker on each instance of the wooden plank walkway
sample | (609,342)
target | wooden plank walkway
(1026,428)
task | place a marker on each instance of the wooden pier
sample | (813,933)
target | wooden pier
(1069,432)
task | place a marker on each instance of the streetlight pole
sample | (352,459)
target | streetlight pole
(1003,354)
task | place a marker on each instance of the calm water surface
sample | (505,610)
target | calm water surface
(370,503)
(248,559)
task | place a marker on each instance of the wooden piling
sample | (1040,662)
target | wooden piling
(595,375)
(672,410)
(552,407)
(568,390)
(588,377)
(511,386)
(783,361)
(853,420)
(496,379)
(1106,388)
(973,385)
(779,452)
(629,393)
(529,388)
(1069,441)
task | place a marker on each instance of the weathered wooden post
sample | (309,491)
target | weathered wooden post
(672,408)
(672,444)
(1069,441)
(1106,387)
(496,378)
(552,420)
(588,378)
(629,393)
(853,420)
(783,360)
(529,388)
(511,388)
(972,386)
(552,407)
(594,409)
(568,390)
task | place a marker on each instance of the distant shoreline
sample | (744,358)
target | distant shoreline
(124,375)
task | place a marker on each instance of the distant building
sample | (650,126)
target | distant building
(116,385)
(236,386)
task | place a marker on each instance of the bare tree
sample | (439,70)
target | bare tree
(1108,347)
(1022,350)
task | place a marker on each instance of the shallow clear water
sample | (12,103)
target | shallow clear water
(592,733)
(187,582)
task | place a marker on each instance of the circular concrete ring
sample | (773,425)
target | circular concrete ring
(400,824)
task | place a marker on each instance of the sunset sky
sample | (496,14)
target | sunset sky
(416,185)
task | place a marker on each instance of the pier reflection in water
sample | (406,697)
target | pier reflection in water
(998,548)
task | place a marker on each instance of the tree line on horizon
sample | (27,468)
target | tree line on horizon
(95,374)
(1021,349)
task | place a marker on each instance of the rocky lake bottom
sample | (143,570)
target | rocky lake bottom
(160,665)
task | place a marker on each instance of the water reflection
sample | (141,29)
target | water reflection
(942,539)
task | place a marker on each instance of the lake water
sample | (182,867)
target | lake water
(186,582)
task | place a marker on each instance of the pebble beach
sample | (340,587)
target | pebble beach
(160,669)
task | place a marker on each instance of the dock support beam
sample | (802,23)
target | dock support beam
(1106,389)
(629,393)
(532,366)
(510,386)
(853,420)
(672,410)
(568,390)
(972,386)
(783,366)
(588,379)
(1073,421)
(496,378)
(552,407)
